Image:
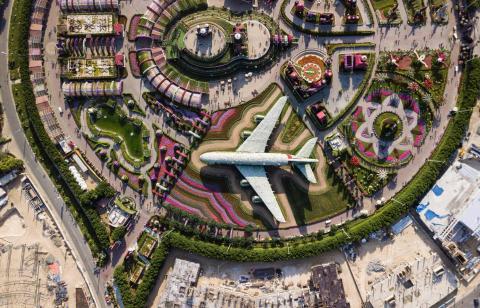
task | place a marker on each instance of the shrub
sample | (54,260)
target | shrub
(118,234)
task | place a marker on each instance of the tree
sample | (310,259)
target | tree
(118,234)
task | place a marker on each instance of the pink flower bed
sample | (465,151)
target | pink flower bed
(354,126)
(405,155)
(134,67)
(169,144)
(205,195)
(216,199)
(369,154)
(132,31)
(184,200)
(219,119)
(181,206)
(357,112)
(390,158)
(419,133)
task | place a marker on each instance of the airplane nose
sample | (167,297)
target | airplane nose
(205,158)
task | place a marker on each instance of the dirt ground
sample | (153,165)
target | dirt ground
(402,249)
(220,274)
(27,241)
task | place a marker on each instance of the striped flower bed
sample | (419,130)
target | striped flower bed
(219,119)
(132,30)
(134,67)
(217,200)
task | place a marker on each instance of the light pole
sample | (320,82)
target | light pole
(399,202)
(436,161)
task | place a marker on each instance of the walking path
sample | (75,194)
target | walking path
(402,37)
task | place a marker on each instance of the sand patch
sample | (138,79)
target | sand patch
(12,224)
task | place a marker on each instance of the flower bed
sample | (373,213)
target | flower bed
(134,67)
(132,29)
(216,199)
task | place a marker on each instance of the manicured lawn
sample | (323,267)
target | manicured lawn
(308,208)
(111,122)
(412,7)
(383,120)
(293,128)
(383,5)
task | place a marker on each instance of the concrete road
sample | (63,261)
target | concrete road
(38,175)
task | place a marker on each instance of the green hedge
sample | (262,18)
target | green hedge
(135,298)
(47,152)
(408,197)
(9,163)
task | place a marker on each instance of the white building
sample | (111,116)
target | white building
(181,282)
(451,210)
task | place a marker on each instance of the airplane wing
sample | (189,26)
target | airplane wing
(257,178)
(257,142)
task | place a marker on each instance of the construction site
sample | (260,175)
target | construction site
(36,267)
(212,283)
(389,272)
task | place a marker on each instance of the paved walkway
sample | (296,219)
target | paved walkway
(402,37)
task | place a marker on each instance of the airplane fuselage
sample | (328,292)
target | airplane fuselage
(252,159)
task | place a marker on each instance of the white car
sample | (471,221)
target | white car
(3,201)
(3,197)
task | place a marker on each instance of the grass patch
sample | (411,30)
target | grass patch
(114,123)
(293,128)
(132,104)
(308,208)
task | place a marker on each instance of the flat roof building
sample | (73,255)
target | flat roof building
(180,284)
(451,211)
(325,280)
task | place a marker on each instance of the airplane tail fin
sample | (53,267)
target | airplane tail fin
(307,148)
(306,152)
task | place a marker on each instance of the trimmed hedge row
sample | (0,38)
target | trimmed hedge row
(139,297)
(53,161)
(408,197)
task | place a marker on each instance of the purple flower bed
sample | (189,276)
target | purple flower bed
(216,199)
(365,133)
(219,119)
(409,102)
(134,67)
(378,95)
(132,31)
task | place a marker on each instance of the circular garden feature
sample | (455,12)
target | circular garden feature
(206,40)
(311,67)
(388,126)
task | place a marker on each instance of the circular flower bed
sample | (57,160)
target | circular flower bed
(388,126)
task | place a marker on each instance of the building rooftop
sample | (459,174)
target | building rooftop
(181,279)
(420,283)
(330,287)
(452,199)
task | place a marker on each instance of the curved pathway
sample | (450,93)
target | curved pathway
(402,37)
